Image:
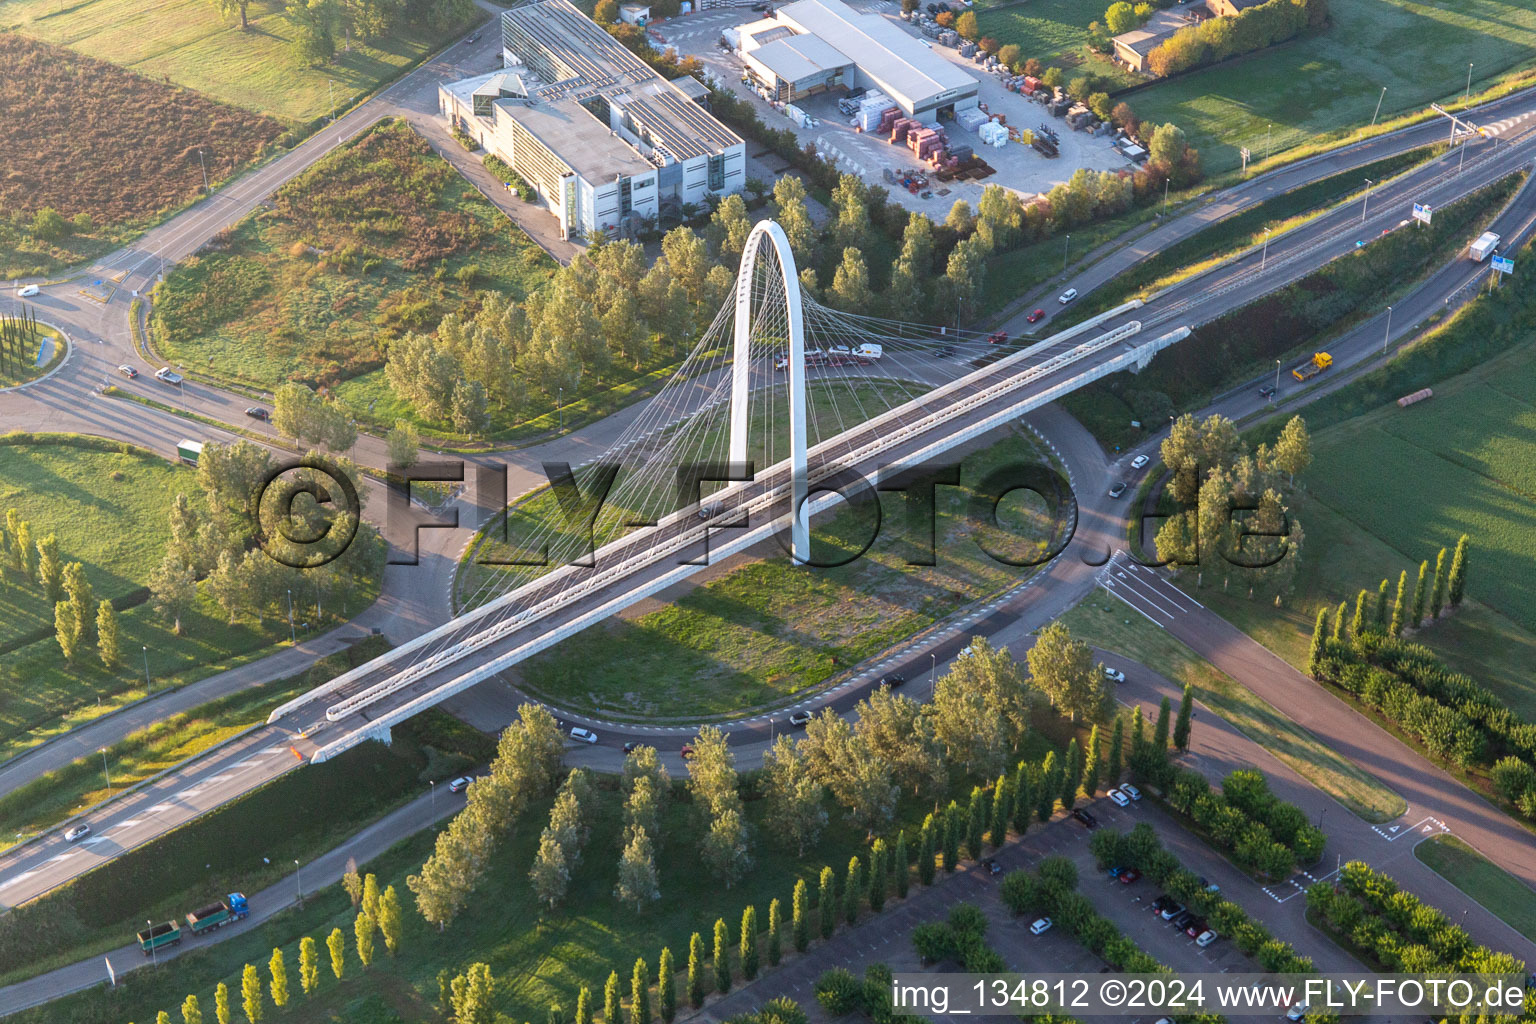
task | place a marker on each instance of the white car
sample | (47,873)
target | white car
(800,719)
(460,784)
(1119,798)
(168,375)
(1297,1012)
(26,291)
(1139,461)
(1114,675)
(1041,926)
(1206,938)
(1067,296)
(583,735)
(1131,791)
(76,833)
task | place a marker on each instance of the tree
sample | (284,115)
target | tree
(221,1003)
(362,930)
(1049,788)
(639,994)
(966,25)
(724,849)
(250,995)
(800,915)
(964,276)
(1186,713)
(1320,634)
(794,796)
(25,552)
(1114,766)
(789,197)
(853,889)
(1437,596)
(1063,669)
(826,903)
(696,971)
(901,864)
(279,970)
(336,943)
(404,444)
(390,923)
(1361,622)
(1120,18)
(666,986)
(1379,615)
(162,1018)
(173,589)
(549,874)
(50,569)
(231,7)
(775,933)
(66,629)
(1093,769)
(472,996)
(850,289)
(81,596)
(1072,774)
(309,964)
(606,12)
(583,1006)
(748,950)
(722,957)
(980,709)
(1009,54)
(1292,452)
(1160,729)
(1340,617)
(637,883)
(1420,592)
(191,1013)
(1399,606)
(106,635)
(611,1001)
(314,22)
(1458,581)
(1002,811)
(850,209)
(954,827)
(975,822)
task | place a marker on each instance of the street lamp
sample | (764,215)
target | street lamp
(331,87)
(1166,182)
(1064,250)
(433,791)
(1378,106)
(1277,381)
(1367,203)
(104,773)
(202,163)
(154,956)
(560,404)
(933,666)
(1264,256)
(1267,128)
(1468,94)
(292,636)
(1388,335)
(298,873)
(146,668)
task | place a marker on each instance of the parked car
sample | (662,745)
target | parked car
(1139,461)
(1119,799)
(1181,919)
(1298,1011)
(1209,886)
(1195,927)
(460,784)
(77,833)
(1171,911)
(26,291)
(583,735)
(127,371)
(1036,316)
(1041,926)
(1131,791)
(1206,938)
(1117,489)
(632,746)
(800,719)
(892,680)
(1162,903)
(1067,296)
(1087,819)
(256,412)
(169,376)
(1114,675)
(687,751)
(992,866)
(1129,875)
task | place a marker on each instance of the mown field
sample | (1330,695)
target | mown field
(1330,83)
(766,630)
(1055,32)
(89,139)
(365,245)
(189,43)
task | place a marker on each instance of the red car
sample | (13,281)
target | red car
(687,750)
(997,337)
(1035,316)
(1128,876)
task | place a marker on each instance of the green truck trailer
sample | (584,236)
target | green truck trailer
(215,915)
(167,933)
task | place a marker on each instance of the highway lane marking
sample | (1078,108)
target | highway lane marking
(128,824)
(62,856)
(19,878)
(217,778)
(244,764)
(189,793)
(159,808)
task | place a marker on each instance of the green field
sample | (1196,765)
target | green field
(1330,83)
(1107,623)
(1055,32)
(106,505)
(190,43)
(766,630)
(1499,892)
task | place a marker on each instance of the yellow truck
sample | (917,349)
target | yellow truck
(1319,362)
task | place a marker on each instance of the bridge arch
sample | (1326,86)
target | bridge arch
(768,241)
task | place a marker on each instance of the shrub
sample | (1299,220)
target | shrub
(839,992)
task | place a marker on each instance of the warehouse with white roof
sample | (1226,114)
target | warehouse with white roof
(814,45)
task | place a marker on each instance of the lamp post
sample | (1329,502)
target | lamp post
(204,165)
(1264,256)
(933,666)
(154,955)
(433,783)
(1064,250)
(298,874)
(331,87)
(1468,94)
(1378,106)
(1277,381)
(1387,336)
(146,668)
(104,773)
(560,404)
(1367,203)
(1166,182)
(293,637)
(1267,129)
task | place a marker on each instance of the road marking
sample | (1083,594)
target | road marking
(127,824)
(62,856)
(187,794)
(19,878)
(158,808)
(217,778)
(244,764)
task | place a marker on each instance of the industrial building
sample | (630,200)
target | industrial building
(814,45)
(606,142)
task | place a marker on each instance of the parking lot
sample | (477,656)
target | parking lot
(1018,167)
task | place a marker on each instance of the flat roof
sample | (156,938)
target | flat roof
(581,141)
(1158,28)
(900,63)
(799,57)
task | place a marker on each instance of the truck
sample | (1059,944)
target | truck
(1485,244)
(1319,362)
(167,933)
(215,915)
(188,450)
(869,352)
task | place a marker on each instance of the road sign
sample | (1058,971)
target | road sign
(1503,265)
(1245,153)
(111,974)
(1423,211)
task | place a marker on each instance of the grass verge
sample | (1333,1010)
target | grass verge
(1495,889)
(1103,621)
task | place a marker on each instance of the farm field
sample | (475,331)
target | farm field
(115,164)
(1329,84)
(189,43)
(379,238)
(1055,32)
(759,630)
